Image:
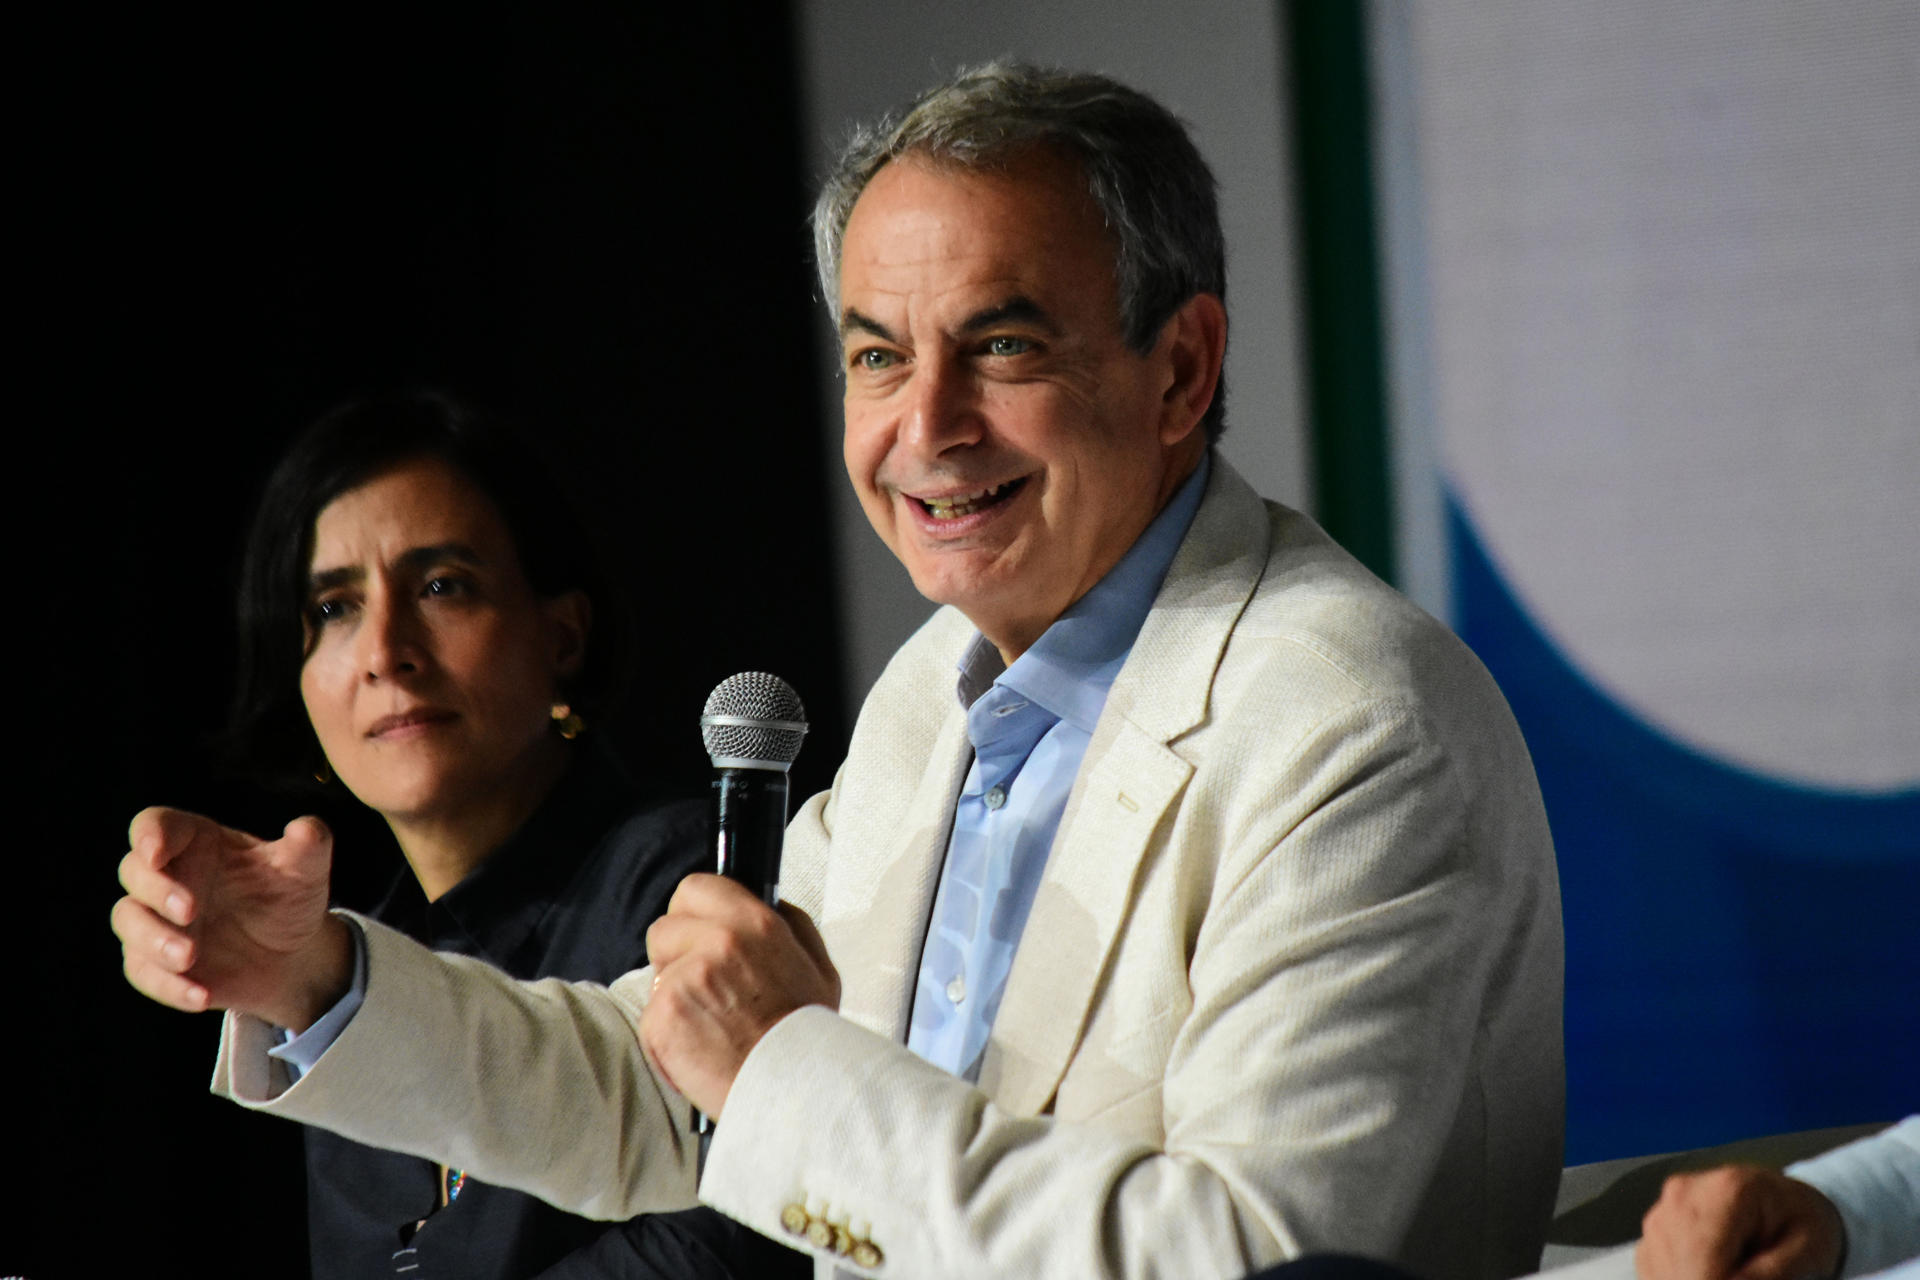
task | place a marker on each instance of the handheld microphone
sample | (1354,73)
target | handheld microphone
(752,725)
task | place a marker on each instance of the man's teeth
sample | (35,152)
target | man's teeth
(964,504)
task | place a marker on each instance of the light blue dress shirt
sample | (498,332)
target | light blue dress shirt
(1029,724)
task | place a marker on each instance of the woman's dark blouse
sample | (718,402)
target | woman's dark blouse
(569,896)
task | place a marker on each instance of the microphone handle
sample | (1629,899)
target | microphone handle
(749,825)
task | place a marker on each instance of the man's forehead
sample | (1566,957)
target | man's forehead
(1043,172)
(1000,238)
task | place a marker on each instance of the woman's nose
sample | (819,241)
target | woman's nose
(390,640)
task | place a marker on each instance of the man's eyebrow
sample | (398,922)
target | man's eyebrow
(414,559)
(1019,308)
(854,322)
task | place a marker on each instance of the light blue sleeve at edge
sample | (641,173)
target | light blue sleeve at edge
(1875,1184)
(301,1051)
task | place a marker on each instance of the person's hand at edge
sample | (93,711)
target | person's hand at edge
(215,918)
(1739,1222)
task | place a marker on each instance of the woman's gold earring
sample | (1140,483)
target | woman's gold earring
(567,720)
(322,774)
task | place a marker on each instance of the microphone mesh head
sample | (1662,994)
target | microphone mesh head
(774,720)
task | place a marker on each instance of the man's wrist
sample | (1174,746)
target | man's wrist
(319,976)
(301,1051)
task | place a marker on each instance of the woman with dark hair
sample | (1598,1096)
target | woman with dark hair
(416,607)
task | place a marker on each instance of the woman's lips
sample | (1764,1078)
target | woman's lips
(403,723)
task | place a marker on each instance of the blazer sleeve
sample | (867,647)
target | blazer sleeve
(1347,934)
(541,1086)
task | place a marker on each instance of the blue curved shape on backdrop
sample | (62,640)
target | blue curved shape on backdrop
(1743,953)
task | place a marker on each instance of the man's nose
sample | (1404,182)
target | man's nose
(944,412)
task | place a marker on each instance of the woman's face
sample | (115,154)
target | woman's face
(431,663)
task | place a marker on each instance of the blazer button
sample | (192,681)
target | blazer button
(820,1234)
(867,1254)
(794,1219)
(842,1241)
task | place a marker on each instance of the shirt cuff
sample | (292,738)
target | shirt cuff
(300,1052)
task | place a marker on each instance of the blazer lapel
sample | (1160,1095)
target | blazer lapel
(1129,784)
(879,899)
(1118,802)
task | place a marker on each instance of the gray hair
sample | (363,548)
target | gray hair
(1149,182)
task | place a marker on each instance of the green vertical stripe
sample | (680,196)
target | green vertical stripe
(1346,382)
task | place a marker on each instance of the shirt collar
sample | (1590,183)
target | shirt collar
(496,908)
(1071,667)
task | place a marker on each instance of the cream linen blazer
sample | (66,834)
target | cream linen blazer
(1291,981)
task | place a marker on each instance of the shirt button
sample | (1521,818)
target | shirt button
(996,797)
(957,989)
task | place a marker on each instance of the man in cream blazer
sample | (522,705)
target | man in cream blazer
(1290,981)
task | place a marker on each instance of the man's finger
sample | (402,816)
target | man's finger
(155,957)
(693,891)
(1797,1232)
(1678,1241)
(147,826)
(674,936)
(1786,1260)
(158,834)
(664,944)
(148,937)
(715,897)
(155,889)
(307,837)
(163,987)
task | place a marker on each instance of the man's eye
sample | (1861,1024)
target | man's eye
(446,587)
(874,359)
(1008,346)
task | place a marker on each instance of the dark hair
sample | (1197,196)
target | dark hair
(269,734)
(1150,183)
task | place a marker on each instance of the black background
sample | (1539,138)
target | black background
(597,223)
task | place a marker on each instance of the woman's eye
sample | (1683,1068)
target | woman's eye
(1008,346)
(321,612)
(446,587)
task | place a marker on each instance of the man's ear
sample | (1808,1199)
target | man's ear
(569,617)
(1195,344)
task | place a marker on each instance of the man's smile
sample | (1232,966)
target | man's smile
(954,506)
(957,514)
